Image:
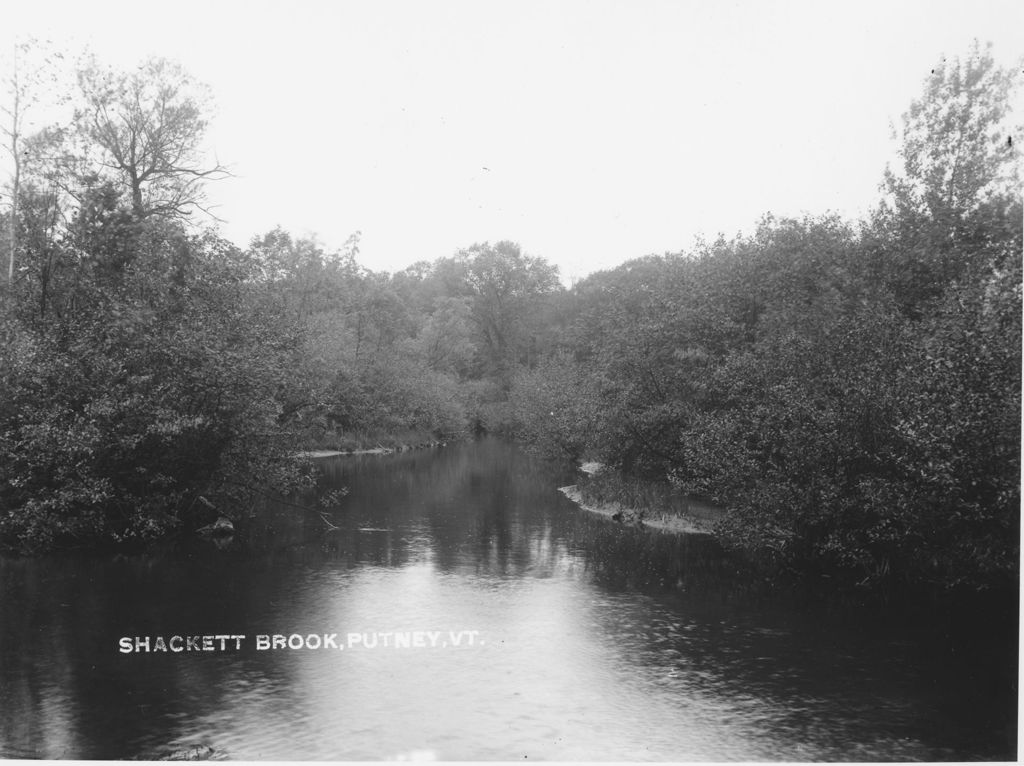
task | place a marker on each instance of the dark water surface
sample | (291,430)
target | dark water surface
(593,642)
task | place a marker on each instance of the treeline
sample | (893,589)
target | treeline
(155,375)
(849,392)
(431,349)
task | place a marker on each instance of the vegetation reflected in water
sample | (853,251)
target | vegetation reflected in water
(599,642)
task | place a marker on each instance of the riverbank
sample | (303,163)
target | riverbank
(319,453)
(698,519)
(334,443)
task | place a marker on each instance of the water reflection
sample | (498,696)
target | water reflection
(598,642)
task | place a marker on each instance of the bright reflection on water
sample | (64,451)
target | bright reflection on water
(594,642)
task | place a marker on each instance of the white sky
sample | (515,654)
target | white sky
(590,132)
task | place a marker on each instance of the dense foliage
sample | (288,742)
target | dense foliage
(156,376)
(850,393)
(129,393)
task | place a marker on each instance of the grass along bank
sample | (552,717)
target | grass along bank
(375,442)
(632,501)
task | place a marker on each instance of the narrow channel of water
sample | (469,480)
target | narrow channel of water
(482,616)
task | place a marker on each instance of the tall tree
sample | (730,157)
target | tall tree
(507,287)
(31,66)
(146,128)
(954,201)
(958,148)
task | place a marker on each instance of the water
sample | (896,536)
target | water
(592,641)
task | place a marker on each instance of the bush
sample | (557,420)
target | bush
(119,415)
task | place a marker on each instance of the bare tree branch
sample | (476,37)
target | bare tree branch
(149,124)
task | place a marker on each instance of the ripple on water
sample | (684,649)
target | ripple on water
(587,653)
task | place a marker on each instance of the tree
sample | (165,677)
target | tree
(507,287)
(146,128)
(957,146)
(30,68)
(444,342)
(165,383)
(954,202)
(556,407)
